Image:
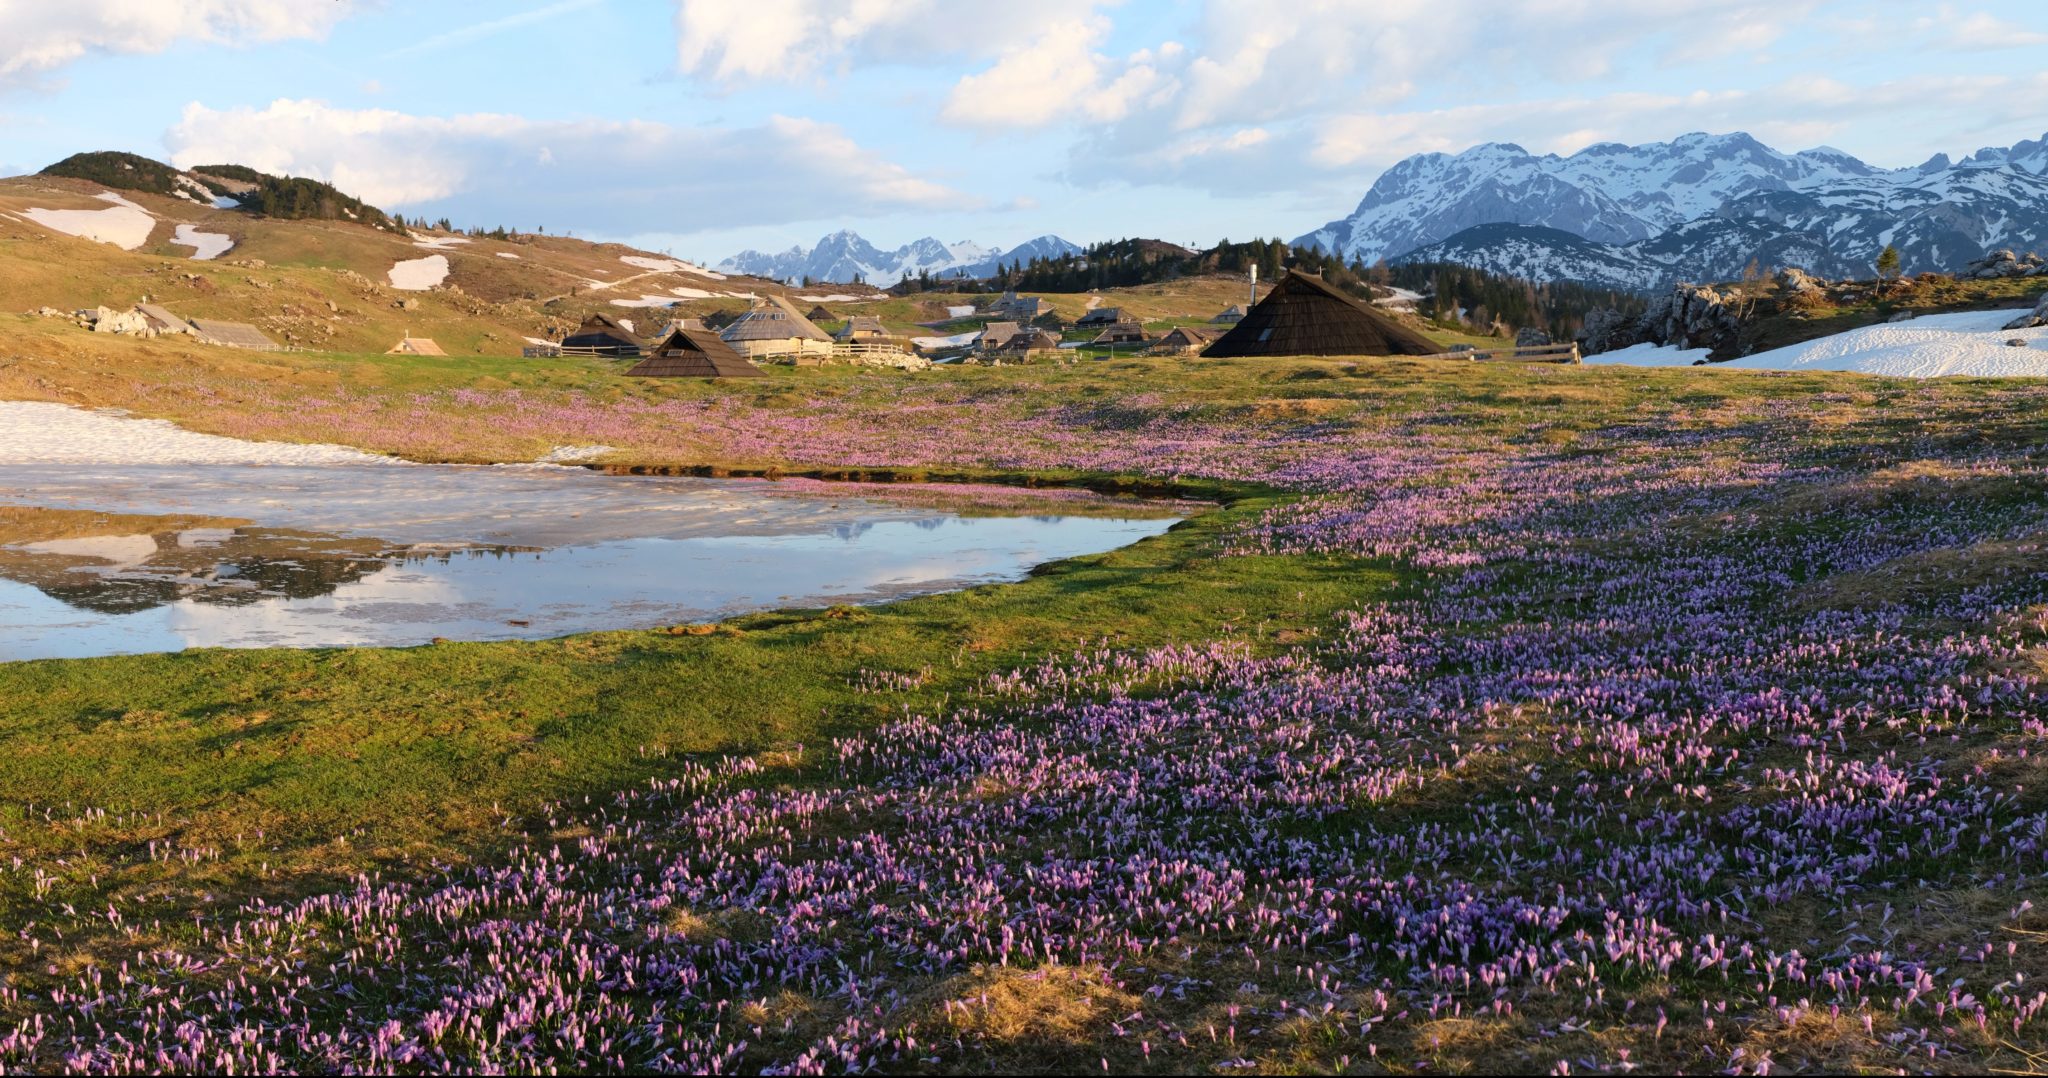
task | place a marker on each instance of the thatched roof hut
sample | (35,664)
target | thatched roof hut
(1184,339)
(602,335)
(233,335)
(1305,316)
(415,346)
(693,353)
(862,327)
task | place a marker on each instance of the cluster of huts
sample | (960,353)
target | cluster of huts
(1303,315)
(771,331)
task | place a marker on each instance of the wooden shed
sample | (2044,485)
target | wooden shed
(1104,316)
(1121,332)
(693,353)
(1229,316)
(1305,315)
(602,335)
(162,320)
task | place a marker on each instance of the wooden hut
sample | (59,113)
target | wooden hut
(994,334)
(693,353)
(1229,316)
(1185,340)
(233,335)
(602,335)
(1305,316)
(1121,332)
(862,327)
(774,327)
(1104,316)
(1019,308)
(818,313)
(415,346)
(1027,344)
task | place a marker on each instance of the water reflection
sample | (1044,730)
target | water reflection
(114,562)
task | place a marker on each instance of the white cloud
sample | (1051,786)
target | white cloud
(1056,77)
(40,36)
(740,41)
(606,177)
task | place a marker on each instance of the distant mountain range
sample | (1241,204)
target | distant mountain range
(1699,207)
(845,257)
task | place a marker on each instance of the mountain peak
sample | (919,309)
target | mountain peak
(845,256)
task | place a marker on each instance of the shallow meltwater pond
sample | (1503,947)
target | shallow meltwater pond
(104,558)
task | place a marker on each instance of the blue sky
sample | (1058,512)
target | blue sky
(705,126)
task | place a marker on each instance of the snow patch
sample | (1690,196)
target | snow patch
(573,454)
(1969,344)
(659,265)
(125,224)
(419,274)
(506,254)
(34,432)
(439,243)
(204,245)
(645,301)
(957,340)
(1649,355)
(834,298)
(692,293)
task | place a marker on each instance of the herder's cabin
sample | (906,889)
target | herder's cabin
(1104,316)
(773,328)
(602,335)
(415,346)
(862,327)
(995,334)
(693,353)
(162,320)
(819,314)
(1229,316)
(1121,332)
(1029,344)
(1185,340)
(233,335)
(1019,308)
(1305,316)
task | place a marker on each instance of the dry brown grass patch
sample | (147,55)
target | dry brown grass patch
(1057,1005)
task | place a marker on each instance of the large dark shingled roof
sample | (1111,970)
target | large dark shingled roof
(1305,316)
(693,353)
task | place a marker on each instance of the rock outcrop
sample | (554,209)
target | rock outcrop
(1689,316)
(2036,317)
(2006,264)
(1531,337)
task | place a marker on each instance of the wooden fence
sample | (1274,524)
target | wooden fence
(1545,353)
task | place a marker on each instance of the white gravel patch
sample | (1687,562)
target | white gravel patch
(205,245)
(419,274)
(125,224)
(35,432)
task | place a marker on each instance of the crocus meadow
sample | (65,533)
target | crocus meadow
(1690,741)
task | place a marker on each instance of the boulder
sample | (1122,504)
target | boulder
(131,323)
(1903,316)
(2036,317)
(1608,330)
(2016,342)
(1794,279)
(1531,337)
(2001,264)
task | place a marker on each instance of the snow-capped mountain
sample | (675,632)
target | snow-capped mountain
(1699,207)
(845,257)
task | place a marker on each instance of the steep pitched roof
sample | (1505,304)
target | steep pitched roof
(1305,316)
(1187,337)
(773,319)
(1103,316)
(162,320)
(861,325)
(1229,316)
(693,353)
(602,330)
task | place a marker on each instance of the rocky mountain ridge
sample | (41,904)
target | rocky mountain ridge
(845,256)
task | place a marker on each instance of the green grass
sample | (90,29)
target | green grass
(420,750)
